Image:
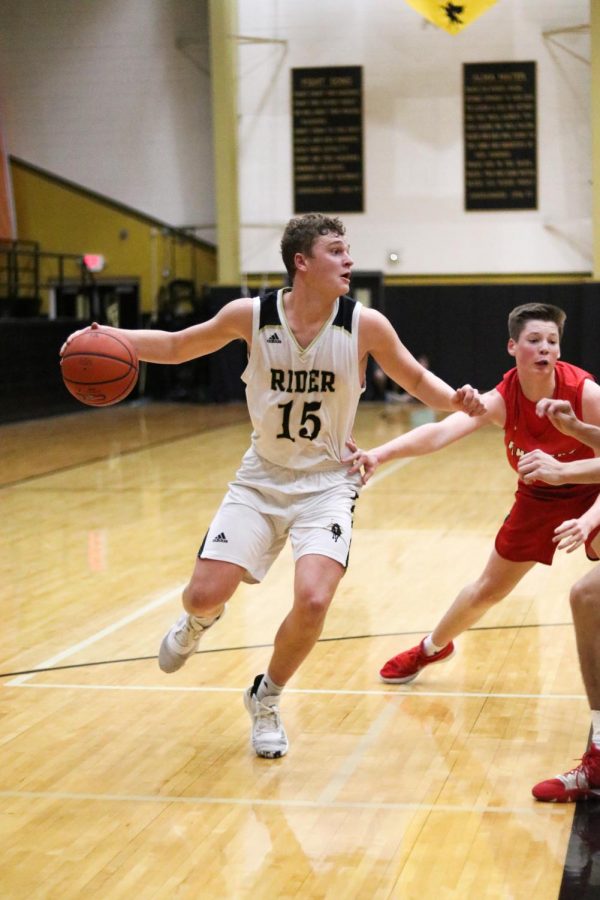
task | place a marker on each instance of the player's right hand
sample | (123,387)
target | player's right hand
(91,327)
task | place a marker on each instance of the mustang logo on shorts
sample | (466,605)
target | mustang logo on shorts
(336,531)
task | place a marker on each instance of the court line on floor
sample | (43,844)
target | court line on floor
(216,689)
(148,607)
(118,660)
(93,460)
(62,796)
(104,632)
(160,601)
(399,464)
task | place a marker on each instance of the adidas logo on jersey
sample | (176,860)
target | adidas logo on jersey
(220,539)
(274,339)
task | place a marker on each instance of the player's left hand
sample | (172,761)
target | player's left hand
(467,399)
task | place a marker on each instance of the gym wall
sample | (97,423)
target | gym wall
(65,218)
(413,133)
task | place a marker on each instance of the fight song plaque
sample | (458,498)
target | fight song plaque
(500,135)
(327,118)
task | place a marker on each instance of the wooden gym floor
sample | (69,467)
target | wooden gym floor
(118,781)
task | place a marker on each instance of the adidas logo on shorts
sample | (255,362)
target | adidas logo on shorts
(274,339)
(220,539)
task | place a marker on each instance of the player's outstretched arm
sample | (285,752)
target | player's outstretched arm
(426,438)
(540,466)
(233,321)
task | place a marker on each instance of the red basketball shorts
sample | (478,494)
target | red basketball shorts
(528,529)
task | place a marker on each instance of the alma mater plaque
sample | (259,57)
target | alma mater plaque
(500,135)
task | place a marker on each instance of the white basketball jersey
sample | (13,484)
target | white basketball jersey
(302,402)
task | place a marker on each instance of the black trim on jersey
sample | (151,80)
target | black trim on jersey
(345,311)
(269,316)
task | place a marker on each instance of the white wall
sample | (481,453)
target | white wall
(99,92)
(413,149)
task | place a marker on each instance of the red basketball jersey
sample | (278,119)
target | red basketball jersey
(525,431)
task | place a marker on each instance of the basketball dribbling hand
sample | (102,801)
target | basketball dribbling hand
(93,327)
(99,366)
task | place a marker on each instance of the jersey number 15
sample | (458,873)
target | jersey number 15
(310,424)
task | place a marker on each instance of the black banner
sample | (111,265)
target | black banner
(328,139)
(500,135)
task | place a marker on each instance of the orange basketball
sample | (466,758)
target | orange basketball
(99,367)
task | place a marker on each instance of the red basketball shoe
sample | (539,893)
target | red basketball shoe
(406,666)
(580,783)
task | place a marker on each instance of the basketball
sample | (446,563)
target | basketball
(99,368)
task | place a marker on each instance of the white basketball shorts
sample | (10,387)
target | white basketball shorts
(266,503)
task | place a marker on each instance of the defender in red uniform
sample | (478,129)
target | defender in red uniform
(528,530)
(541,519)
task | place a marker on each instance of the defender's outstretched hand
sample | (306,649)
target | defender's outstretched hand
(360,461)
(467,399)
(540,466)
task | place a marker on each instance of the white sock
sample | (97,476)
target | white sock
(268,688)
(596,727)
(204,621)
(429,647)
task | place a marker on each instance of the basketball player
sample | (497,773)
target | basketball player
(583,781)
(527,535)
(308,348)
